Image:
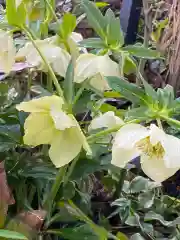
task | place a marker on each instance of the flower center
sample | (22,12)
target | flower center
(150,150)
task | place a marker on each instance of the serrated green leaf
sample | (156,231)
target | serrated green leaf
(128,90)
(113,30)
(141,52)
(95,18)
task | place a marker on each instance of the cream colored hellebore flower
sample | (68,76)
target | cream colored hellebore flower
(95,68)
(158,151)
(49,124)
(7,52)
(57,57)
(106,120)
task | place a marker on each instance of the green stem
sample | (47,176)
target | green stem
(50,70)
(171,120)
(159,123)
(120,184)
(70,170)
(102,133)
(51,10)
(51,196)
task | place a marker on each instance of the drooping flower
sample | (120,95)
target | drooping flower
(57,57)
(95,68)
(7,52)
(48,123)
(106,120)
(159,152)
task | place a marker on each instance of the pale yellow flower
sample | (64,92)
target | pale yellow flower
(48,123)
(57,57)
(158,151)
(106,120)
(95,68)
(7,52)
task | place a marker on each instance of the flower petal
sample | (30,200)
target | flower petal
(121,156)
(107,120)
(61,119)
(7,52)
(64,147)
(107,67)
(43,104)
(171,147)
(129,135)
(99,82)
(86,67)
(39,129)
(156,134)
(156,169)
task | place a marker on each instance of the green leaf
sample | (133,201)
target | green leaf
(136,236)
(83,232)
(69,83)
(95,18)
(67,26)
(84,167)
(141,52)
(99,231)
(128,90)
(154,216)
(11,235)
(92,43)
(113,30)
(15,16)
(139,184)
(146,199)
(150,92)
(101,4)
(129,65)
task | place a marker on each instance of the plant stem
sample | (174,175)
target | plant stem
(102,133)
(120,184)
(70,170)
(51,196)
(171,120)
(50,70)
(51,10)
(147,20)
(159,123)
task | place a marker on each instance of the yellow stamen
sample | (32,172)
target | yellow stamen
(147,148)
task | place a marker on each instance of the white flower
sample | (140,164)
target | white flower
(158,151)
(7,52)
(106,120)
(57,57)
(95,68)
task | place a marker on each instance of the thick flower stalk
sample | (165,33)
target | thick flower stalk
(48,123)
(159,152)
